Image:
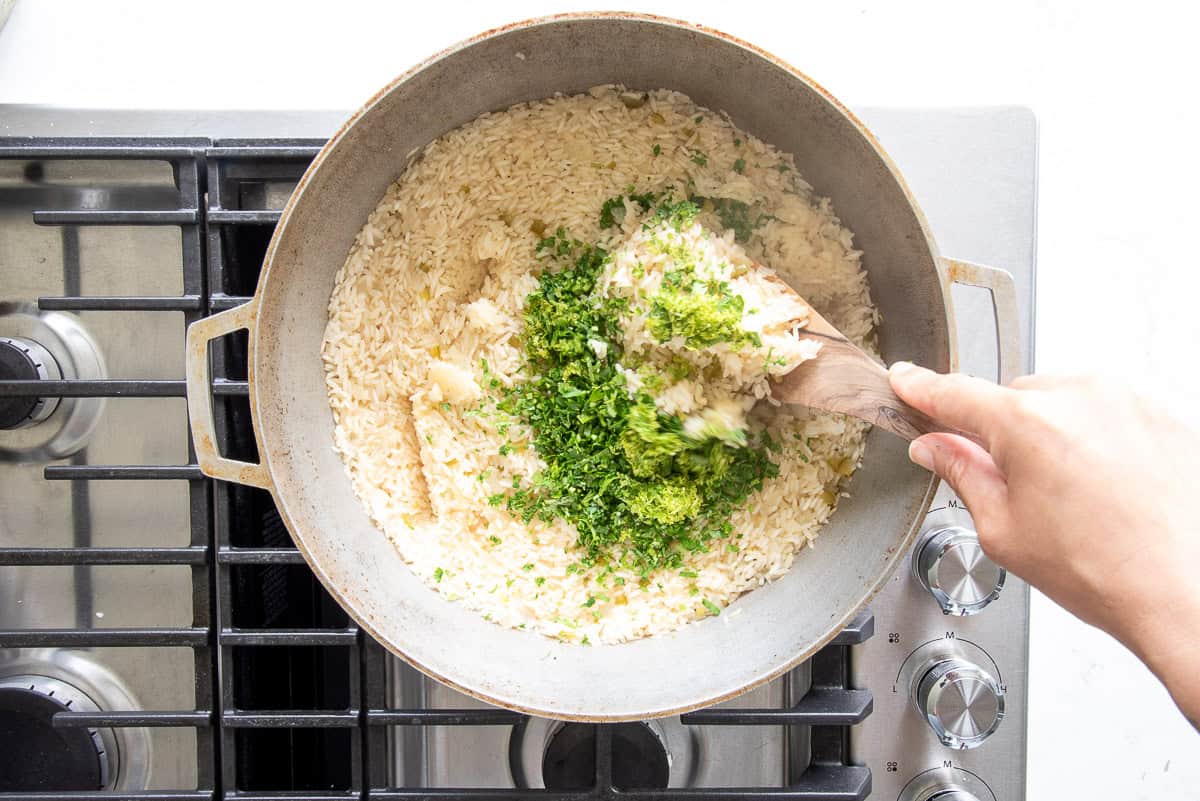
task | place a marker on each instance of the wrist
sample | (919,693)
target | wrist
(1158,619)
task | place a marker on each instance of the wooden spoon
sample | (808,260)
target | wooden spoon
(844,378)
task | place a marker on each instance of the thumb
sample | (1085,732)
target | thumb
(954,400)
(969,469)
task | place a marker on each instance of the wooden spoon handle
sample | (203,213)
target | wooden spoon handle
(844,379)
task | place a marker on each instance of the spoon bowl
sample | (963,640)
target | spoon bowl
(844,378)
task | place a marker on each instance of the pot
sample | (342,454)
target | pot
(775,627)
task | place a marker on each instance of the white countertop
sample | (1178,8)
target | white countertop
(1116,280)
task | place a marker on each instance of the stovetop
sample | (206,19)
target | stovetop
(161,634)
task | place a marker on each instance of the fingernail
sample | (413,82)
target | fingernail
(899,368)
(921,454)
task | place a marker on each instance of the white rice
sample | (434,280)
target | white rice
(434,286)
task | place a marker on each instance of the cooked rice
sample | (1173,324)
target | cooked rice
(726,373)
(433,288)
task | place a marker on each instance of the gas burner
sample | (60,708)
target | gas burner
(639,758)
(25,360)
(46,346)
(36,754)
(559,755)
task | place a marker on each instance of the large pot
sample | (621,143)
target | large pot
(704,662)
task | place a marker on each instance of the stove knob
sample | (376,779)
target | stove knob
(41,756)
(940,793)
(960,701)
(946,784)
(950,563)
(25,360)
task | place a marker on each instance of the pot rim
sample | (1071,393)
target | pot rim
(898,552)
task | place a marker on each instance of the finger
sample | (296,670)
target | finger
(970,471)
(954,400)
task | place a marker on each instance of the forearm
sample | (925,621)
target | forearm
(1160,623)
(1174,661)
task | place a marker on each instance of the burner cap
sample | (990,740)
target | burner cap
(16,364)
(639,758)
(35,755)
(57,347)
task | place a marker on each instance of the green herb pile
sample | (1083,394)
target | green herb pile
(701,316)
(640,491)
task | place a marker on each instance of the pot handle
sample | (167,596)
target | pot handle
(1004,299)
(200,398)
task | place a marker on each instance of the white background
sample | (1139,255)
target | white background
(1114,90)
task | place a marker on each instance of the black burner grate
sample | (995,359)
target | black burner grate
(290,694)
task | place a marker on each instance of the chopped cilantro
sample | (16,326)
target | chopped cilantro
(688,573)
(710,606)
(527,566)
(438,573)
(540,580)
(591,601)
(680,214)
(445,406)
(699,118)
(639,492)
(700,158)
(736,215)
(612,211)
(739,166)
(494,540)
(657,149)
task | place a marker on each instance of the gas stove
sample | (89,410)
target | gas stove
(160,638)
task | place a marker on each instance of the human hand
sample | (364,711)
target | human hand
(1085,490)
